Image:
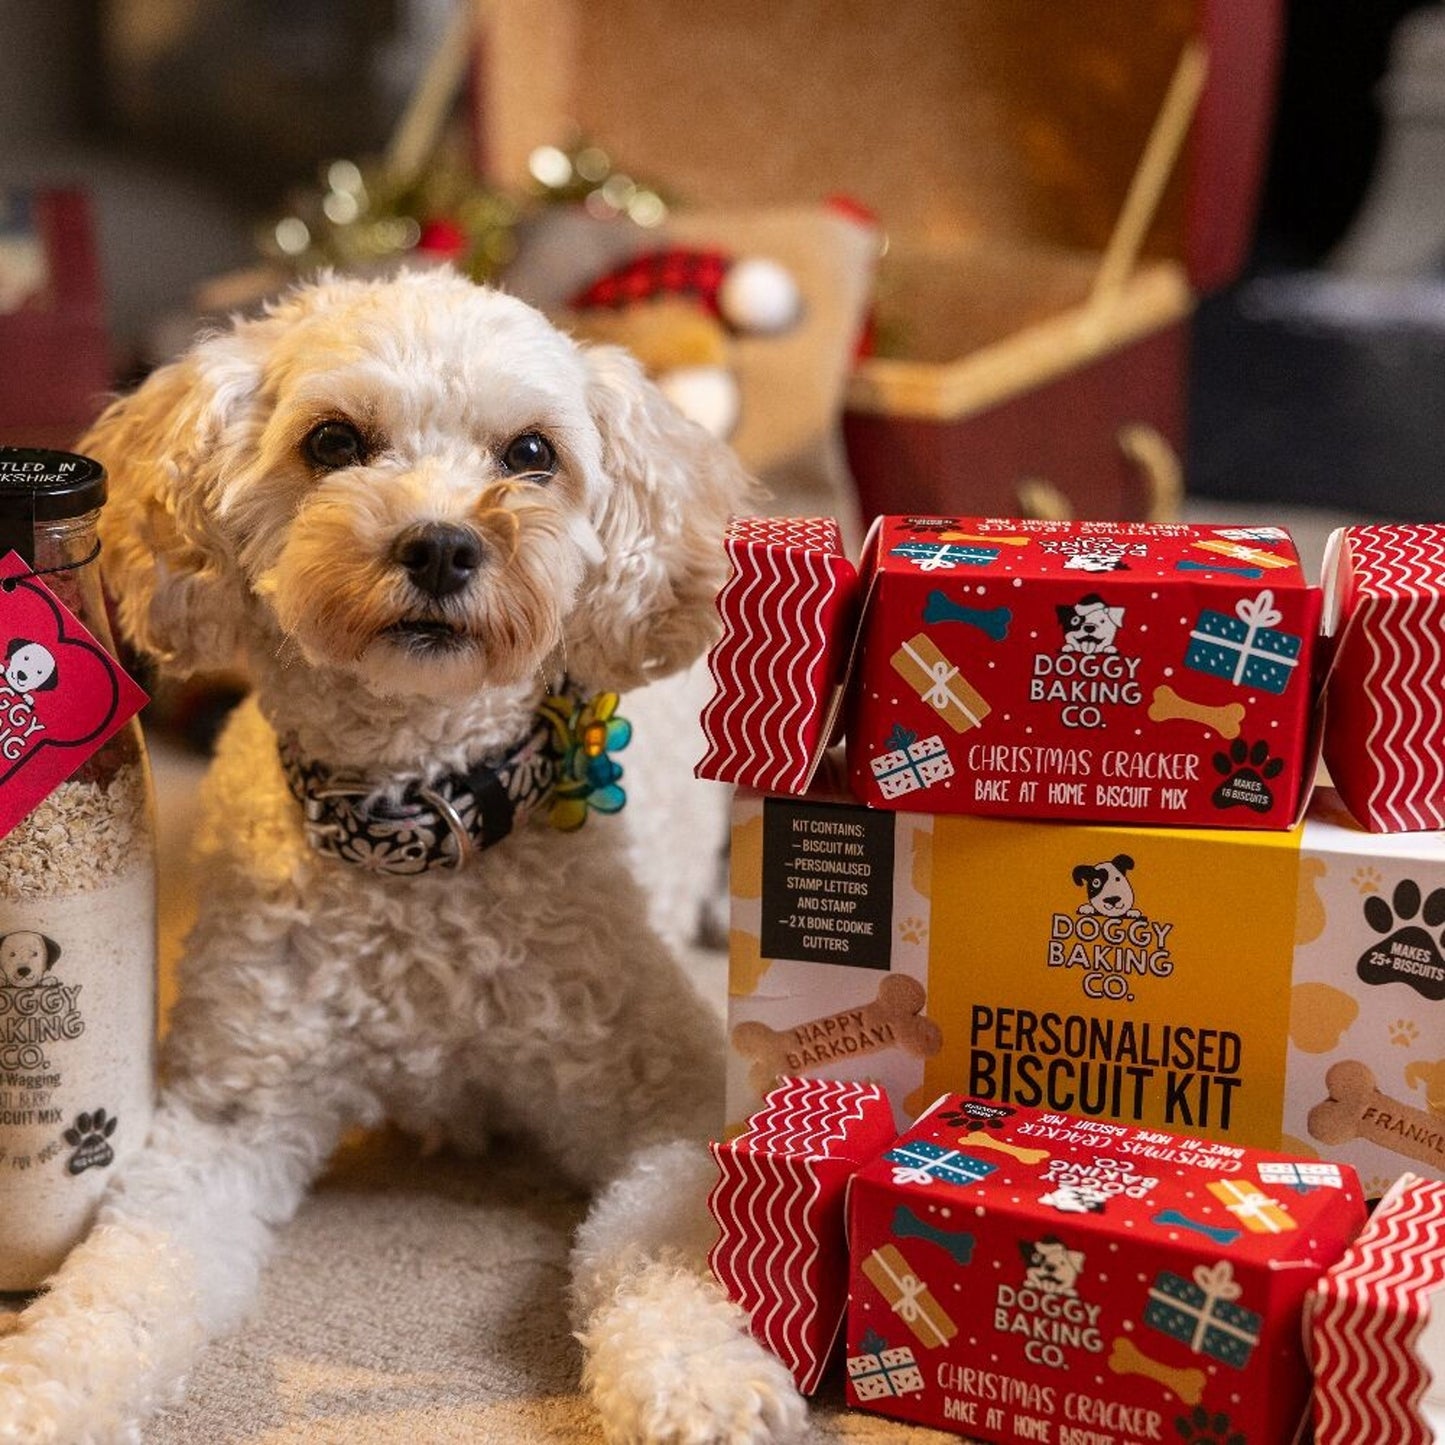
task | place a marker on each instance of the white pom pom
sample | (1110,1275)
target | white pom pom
(759,294)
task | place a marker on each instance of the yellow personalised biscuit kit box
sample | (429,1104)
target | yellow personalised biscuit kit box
(1262,989)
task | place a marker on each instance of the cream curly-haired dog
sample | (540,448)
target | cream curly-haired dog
(415,505)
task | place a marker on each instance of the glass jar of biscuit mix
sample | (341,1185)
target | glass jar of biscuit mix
(77,885)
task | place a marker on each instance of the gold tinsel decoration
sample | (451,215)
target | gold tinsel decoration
(360,216)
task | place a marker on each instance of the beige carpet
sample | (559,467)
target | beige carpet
(413,1303)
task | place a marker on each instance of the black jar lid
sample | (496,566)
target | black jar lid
(48,486)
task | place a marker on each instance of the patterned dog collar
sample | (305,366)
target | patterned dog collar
(425,826)
(562,765)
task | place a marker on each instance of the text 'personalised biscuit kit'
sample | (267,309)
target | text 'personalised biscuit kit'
(1268,989)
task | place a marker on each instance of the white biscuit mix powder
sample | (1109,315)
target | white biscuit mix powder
(77,1011)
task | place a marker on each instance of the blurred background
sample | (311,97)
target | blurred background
(987,151)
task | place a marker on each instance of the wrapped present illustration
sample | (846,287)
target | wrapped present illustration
(1301,1176)
(911,763)
(899,1283)
(921,1161)
(943,556)
(877,1372)
(1204,1313)
(1257,1211)
(1253,556)
(939,683)
(1247,648)
(1253,534)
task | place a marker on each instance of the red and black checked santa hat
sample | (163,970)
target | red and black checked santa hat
(753,293)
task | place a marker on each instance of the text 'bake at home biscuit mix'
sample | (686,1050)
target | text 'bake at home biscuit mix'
(1269,989)
(1139,672)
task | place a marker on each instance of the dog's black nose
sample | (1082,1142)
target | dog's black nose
(438,557)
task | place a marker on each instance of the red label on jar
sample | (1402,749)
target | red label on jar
(62,695)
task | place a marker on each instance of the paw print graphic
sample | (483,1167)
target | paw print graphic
(1376,1186)
(1200,1427)
(89,1136)
(1366,879)
(913,930)
(1404,1032)
(975,1115)
(1247,772)
(1408,952)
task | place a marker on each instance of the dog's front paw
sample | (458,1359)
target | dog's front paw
(27,1415)
(669,1363)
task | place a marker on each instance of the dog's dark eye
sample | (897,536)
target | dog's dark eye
(333,445)
(530,452)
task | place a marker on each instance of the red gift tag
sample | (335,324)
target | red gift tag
(62,695)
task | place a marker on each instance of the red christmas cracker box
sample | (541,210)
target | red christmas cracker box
(1377,1326)
(1067,1280)
(1385,702)
(786,610)
(779,1208)
(1126,672)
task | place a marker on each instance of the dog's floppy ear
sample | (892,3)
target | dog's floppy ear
(660,509)
(1123,862)
(165,448)
(1083,872)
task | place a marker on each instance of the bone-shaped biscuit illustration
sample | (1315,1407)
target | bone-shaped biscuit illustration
(1187,566)
(894,1019)
(1356,1109)
(1167,705)
(978,1140)
(1173,1219)
(977,537)
(958,1243)
(991,621)
(1128,1359)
